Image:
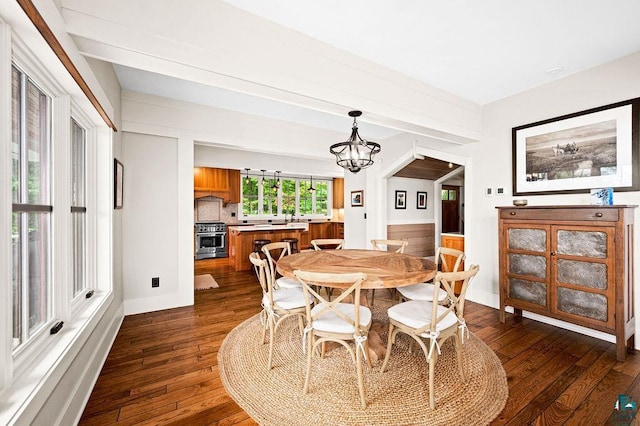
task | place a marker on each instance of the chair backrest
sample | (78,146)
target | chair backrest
(350,284)
(274,252)
(390,245)
(260,266)
(318,244)
(443,260)
(445,281)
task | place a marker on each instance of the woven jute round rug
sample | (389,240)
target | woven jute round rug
(398,396)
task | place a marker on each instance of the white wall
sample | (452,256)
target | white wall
(609,83)
(411,214)
(151,224)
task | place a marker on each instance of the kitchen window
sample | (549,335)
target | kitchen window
(260,199)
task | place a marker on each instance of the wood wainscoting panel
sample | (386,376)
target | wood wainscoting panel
(421,237)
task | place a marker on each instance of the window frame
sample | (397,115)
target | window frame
(280,215)
(45,351)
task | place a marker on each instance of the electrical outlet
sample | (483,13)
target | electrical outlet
(155,282)
(499,191)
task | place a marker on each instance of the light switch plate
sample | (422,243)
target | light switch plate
(488,192)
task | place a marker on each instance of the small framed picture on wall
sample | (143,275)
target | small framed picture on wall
(357,198)
(401,199)
(421,201)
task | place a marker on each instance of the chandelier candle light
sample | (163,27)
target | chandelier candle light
(356,153)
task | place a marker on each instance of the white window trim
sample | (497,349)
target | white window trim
(280,215)
(26,383)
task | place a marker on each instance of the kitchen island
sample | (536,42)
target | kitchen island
(241,239)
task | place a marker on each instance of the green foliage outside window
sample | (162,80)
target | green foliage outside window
(250,196)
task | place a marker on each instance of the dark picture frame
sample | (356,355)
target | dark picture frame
(421,200)
(401,199)
(118,184)
(357,198)
(573,153)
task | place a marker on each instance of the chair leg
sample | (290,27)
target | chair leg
(432,367)
(373,296)
(265,320)
(459,354)
(360,381)
(310,348)
(390,338)
(271,334)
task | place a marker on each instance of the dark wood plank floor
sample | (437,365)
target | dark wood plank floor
(163,367)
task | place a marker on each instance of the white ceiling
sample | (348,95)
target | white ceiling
(481,51)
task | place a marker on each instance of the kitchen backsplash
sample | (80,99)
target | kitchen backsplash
(211,209)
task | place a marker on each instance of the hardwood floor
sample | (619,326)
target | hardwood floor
(163,367)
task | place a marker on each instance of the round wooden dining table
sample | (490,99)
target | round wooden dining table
(383,269)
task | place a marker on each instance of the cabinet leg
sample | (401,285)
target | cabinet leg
(502,316)
(517,312)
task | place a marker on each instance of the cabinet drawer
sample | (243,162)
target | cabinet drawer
(560,214)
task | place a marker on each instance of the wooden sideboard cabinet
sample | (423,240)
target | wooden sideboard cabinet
(572,263)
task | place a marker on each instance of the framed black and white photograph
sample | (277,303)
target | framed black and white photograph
(421,201)
(357,198)
(401,199)
(596,148)
(118,183)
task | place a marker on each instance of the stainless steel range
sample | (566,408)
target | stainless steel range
(211,240)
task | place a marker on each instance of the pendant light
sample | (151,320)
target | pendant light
(247,180)
(311,188)
(356,153)
(276,183)
(262,181)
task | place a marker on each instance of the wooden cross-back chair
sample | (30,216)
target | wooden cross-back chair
(325,243)
(429,320)
(274,252)
(336,320)
(278,303)
(425,291)
(396,246)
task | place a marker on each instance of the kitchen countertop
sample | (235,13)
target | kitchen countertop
(269,227)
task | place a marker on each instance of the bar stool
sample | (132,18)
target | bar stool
(293,244)
(257,245)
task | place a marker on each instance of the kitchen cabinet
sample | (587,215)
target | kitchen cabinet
(338,193)
(572,263)
(215,182)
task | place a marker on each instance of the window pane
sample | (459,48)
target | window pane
(250,196)
(30,274)
(452,195)
(16,278)
(321,198)
(444,195)
(37,144)
(38,269)
(78,242)
(15,134)
(269,198)
(306,198)
(288,196)
(78,171)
